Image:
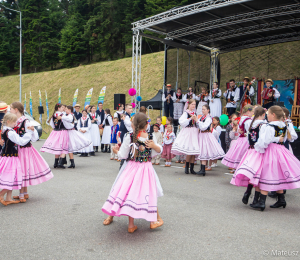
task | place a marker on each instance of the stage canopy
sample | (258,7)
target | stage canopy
(214,27)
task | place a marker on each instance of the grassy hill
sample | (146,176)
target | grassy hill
(115,75)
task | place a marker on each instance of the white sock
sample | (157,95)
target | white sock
(21,195)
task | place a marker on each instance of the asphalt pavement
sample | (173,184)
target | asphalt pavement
(204,219)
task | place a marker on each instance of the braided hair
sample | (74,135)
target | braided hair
(140,121)
(259,111)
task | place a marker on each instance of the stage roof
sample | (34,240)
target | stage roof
(227,25)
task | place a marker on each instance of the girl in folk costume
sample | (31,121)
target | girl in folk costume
(95,120)
(216,131)
(120,111)
(234,156)
(3,109)
(107,130)
(190,95)
(11,174)
(144,110)
(178,105)
(180,158)
(215,101)
(229,128)
(169,138)
(186,142)
(76,140)
(84,126)
(202,98)
(135,191)
(280,168)
(251,164)
(209,147)
(58,141)
(159,139)
(113,137)
(36,170)
(291,129)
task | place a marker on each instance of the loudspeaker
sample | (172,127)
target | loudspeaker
(41,110)
(119,99)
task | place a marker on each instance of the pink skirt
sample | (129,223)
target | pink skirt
(57,143)
(10,173)
(35,170)
(249,169)
(134,194)
(236,152)
(186,142)
(209,147)
(280,170)
(167,152)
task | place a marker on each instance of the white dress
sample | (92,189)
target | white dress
(81,125)
(107,129)
(95,134)
(202,101)
(77,140)
(215,104)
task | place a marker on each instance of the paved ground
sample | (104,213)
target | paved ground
(204,219)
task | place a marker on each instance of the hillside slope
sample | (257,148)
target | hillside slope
(115,75)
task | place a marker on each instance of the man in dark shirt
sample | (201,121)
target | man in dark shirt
(101,114)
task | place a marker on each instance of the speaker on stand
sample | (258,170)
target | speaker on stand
(119,99)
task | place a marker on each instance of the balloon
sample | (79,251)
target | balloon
(295,127)
(199,116)
(164,120)
(132,91)
(133,105)
(132,114)
(139,98)
(224,119)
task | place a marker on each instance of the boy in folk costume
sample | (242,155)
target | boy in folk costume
(101,114)
(168,98)
(113,139)
(246,89)
(229,96)
(269,94)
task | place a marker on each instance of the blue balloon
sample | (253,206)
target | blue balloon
(295,127)
(132,114)
(139,98)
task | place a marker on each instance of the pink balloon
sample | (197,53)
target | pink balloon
(132,91)
(133,105)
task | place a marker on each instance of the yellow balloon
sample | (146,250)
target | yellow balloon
(164,120)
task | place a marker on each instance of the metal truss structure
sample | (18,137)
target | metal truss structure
(136,64)
(258,24)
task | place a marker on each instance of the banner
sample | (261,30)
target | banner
(30,103)
(75,98)
(101,96)
(25,103)
(47,106)
(59,96)
(40,98)
(88,97)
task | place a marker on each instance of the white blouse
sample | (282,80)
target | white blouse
(205,98)
(15,138)
(171,138)
(125,148)
(292,131)
(204,125)
(184,120)
(247,123)
(219,94)
(68,121)
(267,136)
(87,129)
(35,135)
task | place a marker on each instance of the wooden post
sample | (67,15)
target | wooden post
(296,92)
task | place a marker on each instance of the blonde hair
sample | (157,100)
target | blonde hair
(247,108)
(9,117)
(280,115)
(190,102)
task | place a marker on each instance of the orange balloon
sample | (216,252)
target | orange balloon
(199,116)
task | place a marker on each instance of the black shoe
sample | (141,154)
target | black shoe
(192,169)
(202,170)
(102,147)
(61,163)
(284,191)
(56,163)
(86,155)
(256,197)
(280,202)
(72,165)
(105,150)
(272,194)
(108,150)
(92,154)
(65,160)
(261,204)
(247,194)
(96,150)
(186,170)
